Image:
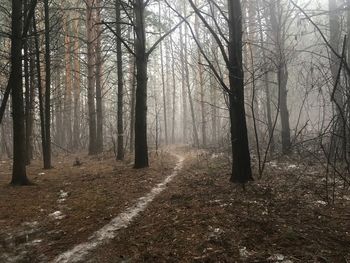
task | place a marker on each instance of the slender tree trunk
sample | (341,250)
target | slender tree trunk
(40,92)
(90,78)
(28,105)
(267,87)
(132,81)
(183,87)
(163,83)
(174,90)
(141,148)
(99,62)
(200,81)
(338,100)
(120,128)
(194,126)
(19,176)
(77,83)
(282,74)
(47,152)
(67,116)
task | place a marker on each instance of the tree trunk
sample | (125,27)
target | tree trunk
(194,126)
(120,124)
(163,82)
(174,90)
(241,166)
(19,176)
(267,87)
(40,92)
(77,83)
(90,78)
(338,100)
(141,148)
(99,62)
(200,82)
(47,152)
(28,98)
(183,87)
(282,74)
(67,116)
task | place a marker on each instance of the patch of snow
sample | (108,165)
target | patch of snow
(57,215)
(292,166)
(273,164)
(346,197)
(276,257)
(244,253)
(63,194)
(109,231)
(41,173)
(320,202)
(216,155)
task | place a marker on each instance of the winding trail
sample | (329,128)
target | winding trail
(105,234)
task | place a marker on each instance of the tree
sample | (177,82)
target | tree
(47,150)
(278,33)
(90,78)
(98,78)
(120,128)
(232,55)
(141,146)
(19,176)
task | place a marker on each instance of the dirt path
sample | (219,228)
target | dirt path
(123,220)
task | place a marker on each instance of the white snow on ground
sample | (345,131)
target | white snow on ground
(109,231)
(57,215)
(62,196)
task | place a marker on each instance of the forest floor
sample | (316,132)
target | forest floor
(199,217)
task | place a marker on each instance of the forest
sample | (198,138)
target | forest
(174,131)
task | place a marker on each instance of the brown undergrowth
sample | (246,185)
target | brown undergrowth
(204,218)
(66,204)
(200,217)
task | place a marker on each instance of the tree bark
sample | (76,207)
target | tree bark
(77,83)
(19,176)
(47,152)
(163,83)
(120,120)
(99,63)
(241,166)
(90,78)
(282,74)
(141,147)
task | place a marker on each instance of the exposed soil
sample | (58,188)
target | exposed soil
(68,203)
(200,217)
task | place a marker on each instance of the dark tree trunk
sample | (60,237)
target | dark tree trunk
(241,166)
(28,98)
(77,83)
(90,77)
(120,128)
(282,85)
(19,176)
(47,151)
(99,62)
(141,148)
